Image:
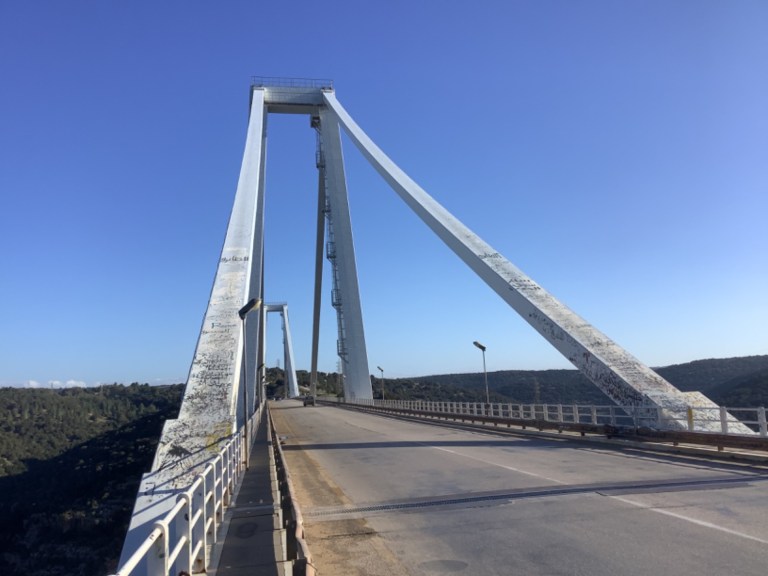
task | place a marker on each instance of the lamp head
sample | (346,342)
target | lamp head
(252,303)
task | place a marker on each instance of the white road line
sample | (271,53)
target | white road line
(513,469)
(689,519)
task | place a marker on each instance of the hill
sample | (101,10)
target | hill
(743,391)
(713,374)
(728,381)
(71,463)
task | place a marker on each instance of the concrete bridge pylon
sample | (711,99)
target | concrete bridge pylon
(213,409)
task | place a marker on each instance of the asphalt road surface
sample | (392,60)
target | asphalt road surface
(390,497)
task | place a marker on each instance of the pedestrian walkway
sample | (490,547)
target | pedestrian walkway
(254,520)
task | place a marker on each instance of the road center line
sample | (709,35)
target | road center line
(689,519)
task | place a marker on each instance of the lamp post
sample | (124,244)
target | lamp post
(253,304)
(485,373)
(382,381)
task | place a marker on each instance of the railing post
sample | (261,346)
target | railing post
(560,413)
(594,414)
(157,558)
(612,412)
(576,419)
(723,420)
(689,416)
(183,529)
(545,412)
(218,488)
(761,421)
(202,529)
(225,476)
(209,504)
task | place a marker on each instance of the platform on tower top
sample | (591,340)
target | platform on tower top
(292,95)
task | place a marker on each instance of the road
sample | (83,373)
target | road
(391,497)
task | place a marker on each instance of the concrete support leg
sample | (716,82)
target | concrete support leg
(357,380)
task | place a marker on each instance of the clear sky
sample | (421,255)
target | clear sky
(616,152)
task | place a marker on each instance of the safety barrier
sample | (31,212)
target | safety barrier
(297,549)
(619,416)
(586,420)
(181,540)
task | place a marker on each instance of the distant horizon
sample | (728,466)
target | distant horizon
(58,385)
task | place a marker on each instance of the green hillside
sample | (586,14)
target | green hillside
(743,391)
(730,379)
(71,463)
(711,374)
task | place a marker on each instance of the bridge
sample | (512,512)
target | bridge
(219,498)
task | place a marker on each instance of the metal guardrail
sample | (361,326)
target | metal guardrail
(593,420)
(181,540)
(297,551)
(619,416)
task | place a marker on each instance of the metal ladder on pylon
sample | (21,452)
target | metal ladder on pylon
(330,254)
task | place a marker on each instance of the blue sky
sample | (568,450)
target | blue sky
(617,152)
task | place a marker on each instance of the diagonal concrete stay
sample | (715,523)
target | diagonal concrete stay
(626,380)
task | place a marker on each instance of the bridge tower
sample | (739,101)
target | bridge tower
(291,382)
(213,408)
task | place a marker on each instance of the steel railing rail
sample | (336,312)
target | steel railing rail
(640,423)
(181,540)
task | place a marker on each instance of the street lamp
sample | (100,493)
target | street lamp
(382,381)
(485,373)
(253,304)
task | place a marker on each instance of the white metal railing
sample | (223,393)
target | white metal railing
(181,540)
(690,418)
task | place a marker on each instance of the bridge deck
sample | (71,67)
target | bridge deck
(387,496)
(248,546)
